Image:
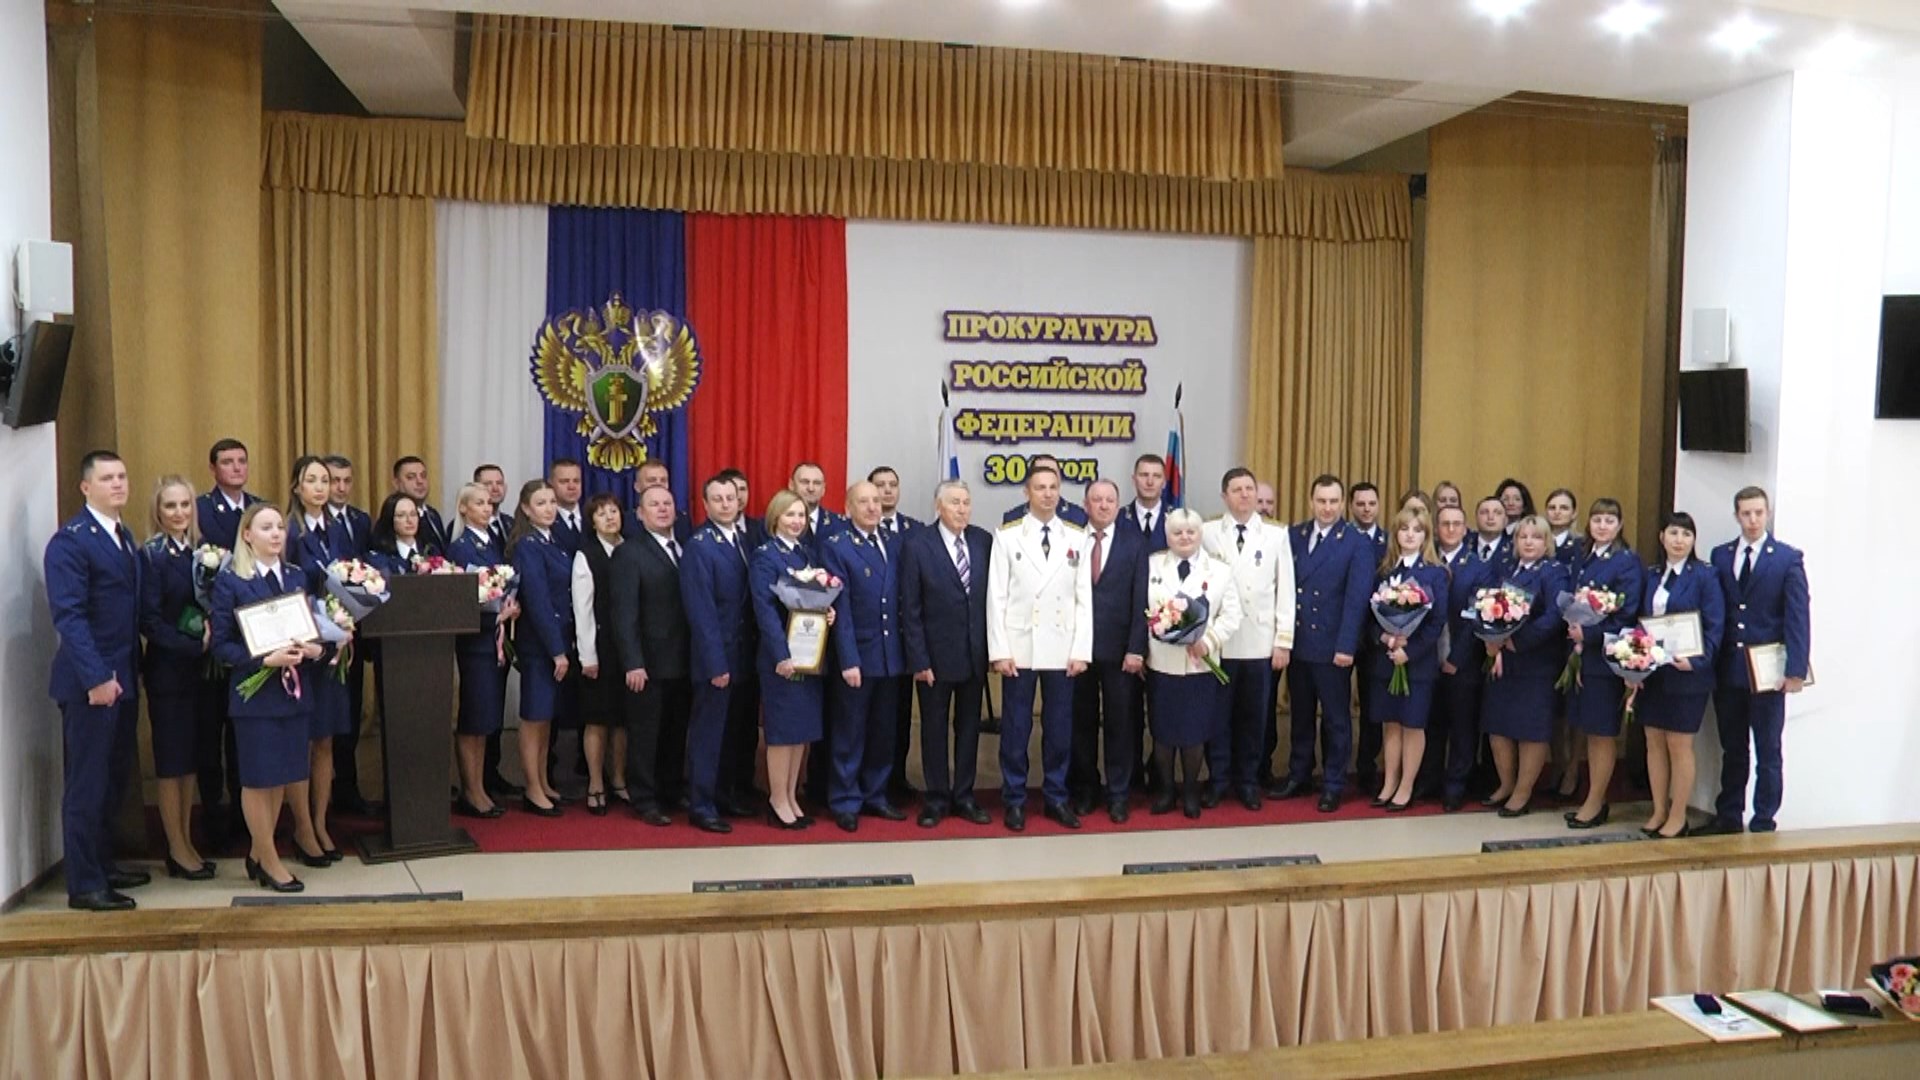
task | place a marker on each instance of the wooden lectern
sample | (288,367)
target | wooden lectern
(416,628)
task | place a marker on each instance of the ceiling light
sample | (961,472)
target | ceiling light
(1630,18)
(1191,5)
(1843,51)
(1501,10)
(1741,35)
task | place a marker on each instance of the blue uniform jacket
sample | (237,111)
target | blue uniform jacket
(1619,572)
(220,523)
(1130,521)
(1570,552)
(545,570)
(230,592)
(1423,645)
(1120,596)
(318,548)
(93,589)
(1696,589)
(1331,588)
(469,551)
(1773,609)
(1470,575)
(713,590)
(943,621)
(1537,646)
(173,660)
(769,562)
(813,539)
(866,631)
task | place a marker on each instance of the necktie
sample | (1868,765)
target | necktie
(961,562)
(1746,567)
(880,545)
(1099,535)
(273,578)
(893,526)
(1313,541)
(1666,583)
(1240,543)
(673,549)
(1185,568)
(739,548)
(1486,552)
(1046,542)
(1148,527)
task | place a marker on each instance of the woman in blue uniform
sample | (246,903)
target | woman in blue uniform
(171,669)
(1410,556)
(481,657)
(602,689)
(791,701)
(1516,708)
(1516,500)
(396,540)
(314,540)
(1595,709)
(1186,705)
(1568,545)
(270,729)
(543,635)
(1674,698)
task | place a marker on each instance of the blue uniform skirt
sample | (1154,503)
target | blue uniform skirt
(483,693)
(790,708)
(272,749)
(1519,706)
(1185,710)
(541,695)
(1409,712)
(332,705)
(1596,706)
(174,719)
(1663,710)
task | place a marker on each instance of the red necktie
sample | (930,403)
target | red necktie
(1098,536)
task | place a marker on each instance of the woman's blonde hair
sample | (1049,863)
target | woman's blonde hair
(244,564)
(777,508)
(172,480)
(1534,523)
(1412,515)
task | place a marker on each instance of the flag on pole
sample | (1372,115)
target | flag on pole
(1176,454)
(949,457)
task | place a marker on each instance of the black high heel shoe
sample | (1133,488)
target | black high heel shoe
(314,862)
(597,803)
(778,822)
(203,872)
(332,855)
(259,874)
(1575,821)
(1522,810)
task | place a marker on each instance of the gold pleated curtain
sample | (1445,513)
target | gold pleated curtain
(1330,366)
(352,329)
(560,82)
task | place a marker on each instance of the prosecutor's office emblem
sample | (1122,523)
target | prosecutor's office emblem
(618,370)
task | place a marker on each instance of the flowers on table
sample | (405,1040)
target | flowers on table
(1633,654)
(1498,613)
(1586,607)
(434,564)
(1400,606)
(357,585)
(1182,620)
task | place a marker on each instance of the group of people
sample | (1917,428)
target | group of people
(1123,626)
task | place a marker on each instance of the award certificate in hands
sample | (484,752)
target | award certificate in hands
(1679,634)
(271,625)
(807,641)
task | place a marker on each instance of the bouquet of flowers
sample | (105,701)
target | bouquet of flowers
(1182,620)
(810,589)
(1633,654)
(336,625)
(208,561)
(1586,607)
(434,564)
(497,585)
(359,587)
(1400,606)
(1899,982)
(1498,613)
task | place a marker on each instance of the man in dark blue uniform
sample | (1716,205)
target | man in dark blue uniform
(347,798)
(93,572)
(896,526)
(722,636)
(873,664)
(218,515)
(1363,506)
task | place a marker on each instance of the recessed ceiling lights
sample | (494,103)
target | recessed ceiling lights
(1501,10)
(1741,35)
(1630,18)
(1190,5)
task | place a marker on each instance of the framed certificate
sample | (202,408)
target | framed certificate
(1767,666)
(807,641)
(1679,634)
(271,625)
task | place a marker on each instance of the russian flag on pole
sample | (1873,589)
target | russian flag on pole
(1176,454)
(949,457)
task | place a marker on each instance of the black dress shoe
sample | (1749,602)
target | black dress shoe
(467,809)
(711,824)
(1574,821)
(1063,814)
(1329,802)
(1400,807)
(1492,801)
(847,822)
(1209,797)
(732,808)
(103,900)
(774,820)
(885,810)
(1292,789)
(806,821)
(501,787)
(597,803)
(1164,802)
(652,815)
(931,816)
(1379,802)
(1517,811)
(127,879)
(1117,812)
(259,874)
(1452,803)
(1250,798)
(1017,818)
(354,805)
(537,810)
(203,872)
(1718,828)
(332,855)
(1685,831)
(1081,805)
(970,811)
(312,862)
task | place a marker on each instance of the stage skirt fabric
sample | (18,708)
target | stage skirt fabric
(1185,710)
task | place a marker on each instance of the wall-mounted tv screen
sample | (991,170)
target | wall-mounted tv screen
(1713,410)
(1899,394)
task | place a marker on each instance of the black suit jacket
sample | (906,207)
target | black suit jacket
(631,528)
(944,623)
(1119,604)
(433,529)
(649,618)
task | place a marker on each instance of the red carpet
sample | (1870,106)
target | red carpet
(619,830)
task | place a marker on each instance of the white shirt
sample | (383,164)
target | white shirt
(316,524)
(950,538)
(1560,538)
(1660,594)
(111,525)
(261,568)
(480,535)
(1740,552)
(586,627)
(405,550)
(1145,516)
(667,544)
(1408,562)
(1487,547)
(570,516)
(1448,557)
(1261,571)
(236,505)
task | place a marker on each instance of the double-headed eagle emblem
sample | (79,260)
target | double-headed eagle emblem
(617,369)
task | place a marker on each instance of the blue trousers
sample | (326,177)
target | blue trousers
(1240,742)
(861,739)
(706,740)
(1763,718)
(1327,688)
(1056,734)
(99,749)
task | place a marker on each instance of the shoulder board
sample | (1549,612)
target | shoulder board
(1071,525)
(1014,524)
